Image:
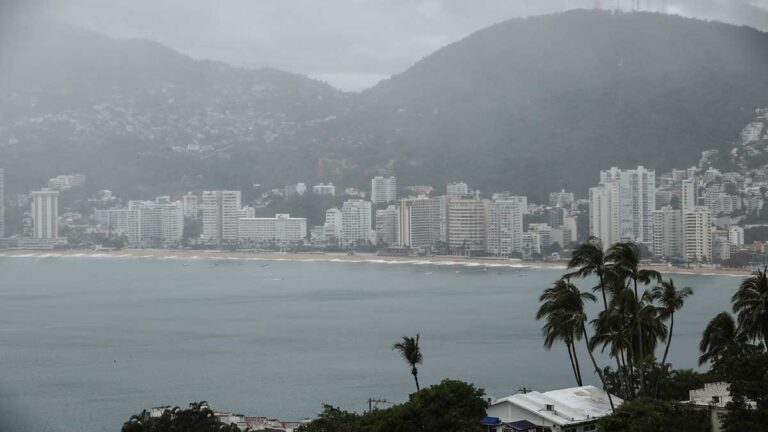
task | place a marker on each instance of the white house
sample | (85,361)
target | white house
(574,409)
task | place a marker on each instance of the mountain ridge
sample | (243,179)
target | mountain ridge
(526,105)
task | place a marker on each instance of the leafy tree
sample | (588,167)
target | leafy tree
(410,352)
(197,418)
(745,369)
(719,336)
(451,406)
(645,414)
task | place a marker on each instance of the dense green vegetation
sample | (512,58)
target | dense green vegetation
(197,418)
(451,406)
(638,314)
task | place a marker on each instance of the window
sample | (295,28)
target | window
(569,430)
(590,427)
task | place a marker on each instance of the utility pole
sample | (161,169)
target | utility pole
(374,401)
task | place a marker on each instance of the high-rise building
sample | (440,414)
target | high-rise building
(281,229)
(221,210)
(556,216)
(355,223)
(736,236)
(561,199)
(637,201)
(668,233)
(383,189)
(2,202)
(697,238)
(467,228)
(191,204)
(689,195)
(332,227)
(386,225)
(604,213)
(505,228)
(457,190)
(45,214)
(419,222)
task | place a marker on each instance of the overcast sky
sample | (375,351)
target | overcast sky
(352,44)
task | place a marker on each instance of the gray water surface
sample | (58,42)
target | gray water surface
(86,342)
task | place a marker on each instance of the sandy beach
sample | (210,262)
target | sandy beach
(340,257)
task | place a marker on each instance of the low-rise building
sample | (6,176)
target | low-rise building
(281,229)
(574,409)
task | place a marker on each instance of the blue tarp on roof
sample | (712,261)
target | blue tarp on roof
(490,421)
(522,425)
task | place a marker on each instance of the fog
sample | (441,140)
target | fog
(352,44)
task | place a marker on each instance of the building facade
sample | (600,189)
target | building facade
(505,228)
(383,189)
(45,214)
(467,225)
(419,222)
(221,210)
(281,229)
(697,235)
(668,233)
(355,223)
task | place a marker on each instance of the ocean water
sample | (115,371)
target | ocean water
(86,342)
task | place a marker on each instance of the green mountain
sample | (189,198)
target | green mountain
(527,105)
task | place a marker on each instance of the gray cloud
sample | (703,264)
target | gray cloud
(350,43)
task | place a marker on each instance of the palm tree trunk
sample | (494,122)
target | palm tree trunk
(578,368)
(597,368)
(639,339)
(416,378)
(669,339)
(602,290)
(573,365)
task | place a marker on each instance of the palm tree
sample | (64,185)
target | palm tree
(560,326)
(409,350)
(719,336)
(671,300)
(624,261)
(566,302)
(750,304)
(588,259)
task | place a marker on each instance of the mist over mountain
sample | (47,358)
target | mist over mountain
(528,105)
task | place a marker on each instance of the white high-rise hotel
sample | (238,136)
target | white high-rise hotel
(383,189)
(505,227)
(355,223)
(45,214)
(621,207)
(418,224)
(221,210)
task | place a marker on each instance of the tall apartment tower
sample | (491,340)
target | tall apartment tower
(604,213)
(689,195)
(2,203)
(637,201)
(467,225)
(457,190)
(383,189)
(697,229)
(191,205)
(505,228)
(668,233)
(221,209)
(419,222)
(45,214)
(355,223)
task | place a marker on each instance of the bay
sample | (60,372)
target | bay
(86,342)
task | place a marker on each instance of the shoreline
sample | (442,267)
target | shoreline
(340,257)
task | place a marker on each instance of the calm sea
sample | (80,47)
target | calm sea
(86,342)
